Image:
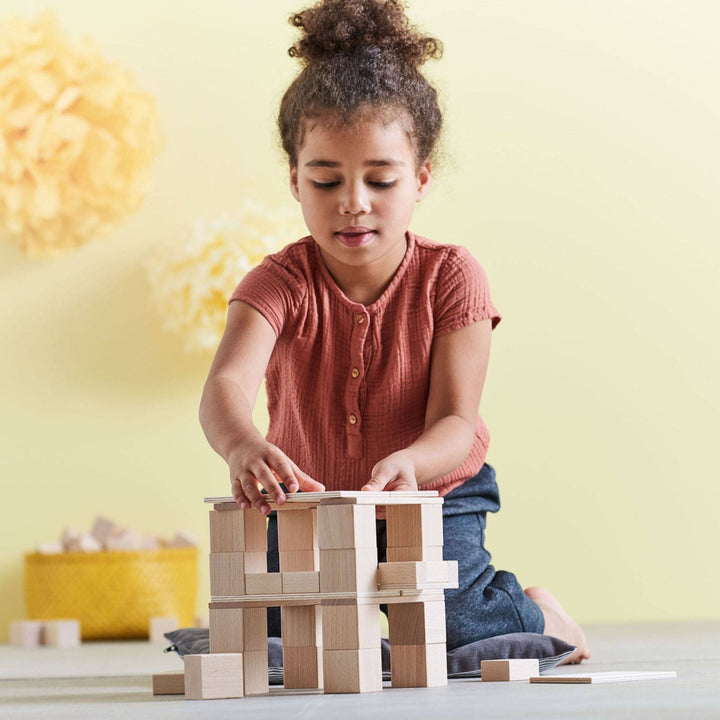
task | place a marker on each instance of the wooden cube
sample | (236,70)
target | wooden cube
(263,583)
(301,626)
(348,570)
(299,560)
(211,677)
(158,626)
(234,630)
(26,633)
(168,683)
(227,573)
(346,526)
(418,665)
(416,623)
(350,627)
(302,667)
(237,531)
(297,529)
(301,582)
(415,553)
(414,525)
(509,670)
(65,633)
(352,671)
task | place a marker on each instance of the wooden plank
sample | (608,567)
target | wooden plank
(348,570)
(352,671)
(301,582)
(350,627)
(297,530)
(346,526)
(315,497)
(238,629)
(168,683)
(417,623)
(604,677)
(341,598)
(509,670)
(418,665)
(211,677)
(302,667)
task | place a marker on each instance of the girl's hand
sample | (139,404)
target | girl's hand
(258,461)
(395,472)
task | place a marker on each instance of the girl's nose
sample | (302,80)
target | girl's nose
(354,200)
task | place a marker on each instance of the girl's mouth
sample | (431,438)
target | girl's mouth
(355,239)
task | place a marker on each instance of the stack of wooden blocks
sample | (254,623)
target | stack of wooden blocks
(329,589)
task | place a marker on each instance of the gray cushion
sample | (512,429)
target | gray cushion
(462,662)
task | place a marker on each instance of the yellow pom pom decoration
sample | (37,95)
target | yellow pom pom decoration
(77,139)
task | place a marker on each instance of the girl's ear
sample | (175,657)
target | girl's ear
(294,183)
(424,178)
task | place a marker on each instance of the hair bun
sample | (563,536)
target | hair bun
(346,26)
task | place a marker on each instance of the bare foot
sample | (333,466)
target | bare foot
(559,624)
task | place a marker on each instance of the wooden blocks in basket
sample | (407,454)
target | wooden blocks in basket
(53,633)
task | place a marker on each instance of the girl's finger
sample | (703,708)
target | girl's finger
(252,493)
(239,495)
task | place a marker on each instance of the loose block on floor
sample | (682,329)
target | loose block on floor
(65,633)
(509,670)
(211,677)
(603,677)
(26,633)
(168,683)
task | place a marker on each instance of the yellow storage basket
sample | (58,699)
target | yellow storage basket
(113,594)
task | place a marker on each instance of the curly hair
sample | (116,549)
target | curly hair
(360,58)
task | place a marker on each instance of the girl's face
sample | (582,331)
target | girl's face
(358,187)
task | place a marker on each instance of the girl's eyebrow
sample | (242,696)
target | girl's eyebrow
(368,163)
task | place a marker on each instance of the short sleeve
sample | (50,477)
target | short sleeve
(462,295)
(272,290)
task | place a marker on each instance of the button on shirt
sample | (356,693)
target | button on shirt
(347,384)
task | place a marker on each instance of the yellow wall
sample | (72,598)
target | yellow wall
(581,169)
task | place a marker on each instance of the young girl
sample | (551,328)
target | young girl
(374,341)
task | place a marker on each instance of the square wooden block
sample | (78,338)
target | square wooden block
(66,633)
(299,560)
(346,526)
(297,529)
(301,626)
(237,531)
(227,573)
(352,671)
(211,677)
(417,623)
(418,665)
(301,582)
(348,570)
(234,630)
(409,525)
(26,633)
(508,670)
(350,627)
(168,683)
(263,583)
(303,667)
(158,626)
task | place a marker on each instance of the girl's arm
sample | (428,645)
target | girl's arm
(226,412)
(459,361)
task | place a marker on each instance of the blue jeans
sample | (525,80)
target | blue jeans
(487,602)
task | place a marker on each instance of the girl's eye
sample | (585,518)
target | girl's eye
(325,185)
(377,184)
(383,185)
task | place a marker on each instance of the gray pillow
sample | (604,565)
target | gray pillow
(462,662)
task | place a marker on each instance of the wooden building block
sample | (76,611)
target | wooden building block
(26,633)
(255,672)
(350,627)
(299,560)
(227,573)
(409,525)
(418,665)
(346,526)
(509,669)
(158,626)
(168,683)
(415,553)
(234,630)
(417,623)
(417,574)
(352,671)
(303,667)
(65,633)
(301,626)
(301,582)
(263,583)
(348,570)
(237,531)
(297,530)
(211,677)
(605,677)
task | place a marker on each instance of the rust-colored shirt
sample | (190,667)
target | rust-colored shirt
(347,384)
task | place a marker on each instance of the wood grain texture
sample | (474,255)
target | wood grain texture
(211,677)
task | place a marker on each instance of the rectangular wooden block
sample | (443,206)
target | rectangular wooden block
(66,633)
(299,560)
(415,553)
(237,531)
(348,570)
(604,677)
(255,672)
(301,626)
(346,526)
(303,667)
(509,669)
(297,530)
(417,623)
(414,525)
(26,633)
(168,683)
(417,574)
(418,665)
(227,573)
(352,671)
(158,626)
(211,677)
(263,583)
(235,630)
(301,582)
(349,627)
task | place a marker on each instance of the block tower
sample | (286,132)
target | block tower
(329,589)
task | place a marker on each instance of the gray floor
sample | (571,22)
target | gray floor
(107,680)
